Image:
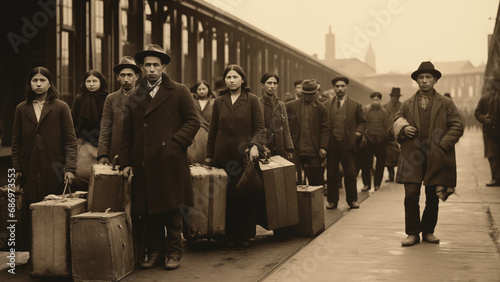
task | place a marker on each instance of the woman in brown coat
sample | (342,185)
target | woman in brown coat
(43,139)
(236,126)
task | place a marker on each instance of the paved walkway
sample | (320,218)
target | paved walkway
(364,245)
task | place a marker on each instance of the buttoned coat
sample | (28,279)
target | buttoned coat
(112,125)
(233,129)
(355,120)
(446,128)
(319,124)
(43,150)
(155,138)
(280,127)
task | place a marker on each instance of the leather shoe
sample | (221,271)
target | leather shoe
(354,205)
(410,240)
(430,238)
(366,188)
(493,183)
(154,260)
(172,263)
(331,206)
(389,180)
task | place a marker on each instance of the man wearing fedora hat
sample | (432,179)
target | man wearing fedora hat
(160,123)
(392,150)
(348,124)
(428,125)
(310,130)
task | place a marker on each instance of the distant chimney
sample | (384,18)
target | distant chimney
(330,46)
(370,58)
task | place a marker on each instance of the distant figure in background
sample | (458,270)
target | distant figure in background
(88,107)
(378,130)
(297,85)
(278,139)
(427,126)
(348,124)
(110,138)
(289,96)
(487,113)
(392,150)
(203,99)
(310,131)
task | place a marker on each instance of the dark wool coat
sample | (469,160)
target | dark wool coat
(233,129)
(281,129)
(155,137)
(320,126)
(113,115)
(446,128)
(43,150)
(206,113)
(85,128)
(487,114)
(355,120)
(392,149)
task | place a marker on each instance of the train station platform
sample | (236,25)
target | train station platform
(365,244)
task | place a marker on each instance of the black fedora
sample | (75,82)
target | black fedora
(396,91)
(152,50)
(340,78)
(126,62)
(309,86)
(426,67)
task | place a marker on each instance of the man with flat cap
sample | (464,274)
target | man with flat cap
(392,149)
(428,125)
(310,130)
(160,124)
(348,124)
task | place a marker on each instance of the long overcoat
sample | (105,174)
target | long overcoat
(233,129)
(43,150)
(392,149)
(155,138)
(113,115)
(280,127)
(446,128)
(319,124)
(487,114)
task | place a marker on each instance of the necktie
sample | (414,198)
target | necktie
(424,101)
(338,104)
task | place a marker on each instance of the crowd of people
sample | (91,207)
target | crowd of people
(151,127)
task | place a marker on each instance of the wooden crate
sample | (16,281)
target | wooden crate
(50,253)
(280,193)
(207,218)
(101,247)
(311,210)
(106,189)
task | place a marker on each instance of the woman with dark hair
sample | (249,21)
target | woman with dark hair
(88,107)
(204,99)
(236,127)
(44,147)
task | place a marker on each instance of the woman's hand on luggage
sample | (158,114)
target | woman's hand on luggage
(254,153)
(289,155)
(322,153)
(104,160)
(127,171)
(208,161)
(69,176)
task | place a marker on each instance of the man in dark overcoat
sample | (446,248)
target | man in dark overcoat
(392,149)
(427,126)
(160,124)
(348,124)
(487,114)
(310,130)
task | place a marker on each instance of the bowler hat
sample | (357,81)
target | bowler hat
(426,67)
(396,91)
(340,78)
(309,86)
(126,62)
(152,50)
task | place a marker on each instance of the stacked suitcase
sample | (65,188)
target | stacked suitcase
(207,219)
(280,193)
(106,189)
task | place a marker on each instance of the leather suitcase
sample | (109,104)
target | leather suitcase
(106,189)
(207,218)
(101,247)
(311,210)
(280,192)
(50,253)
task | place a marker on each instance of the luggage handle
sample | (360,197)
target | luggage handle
(66,186)
(114,163)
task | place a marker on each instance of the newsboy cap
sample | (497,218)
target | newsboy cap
(340,78)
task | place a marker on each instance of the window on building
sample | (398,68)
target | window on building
(65,60)
(147,25)
(99,29)
(167,41)
(226,49)
(124,7)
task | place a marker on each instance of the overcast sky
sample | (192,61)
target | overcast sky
(402,32)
